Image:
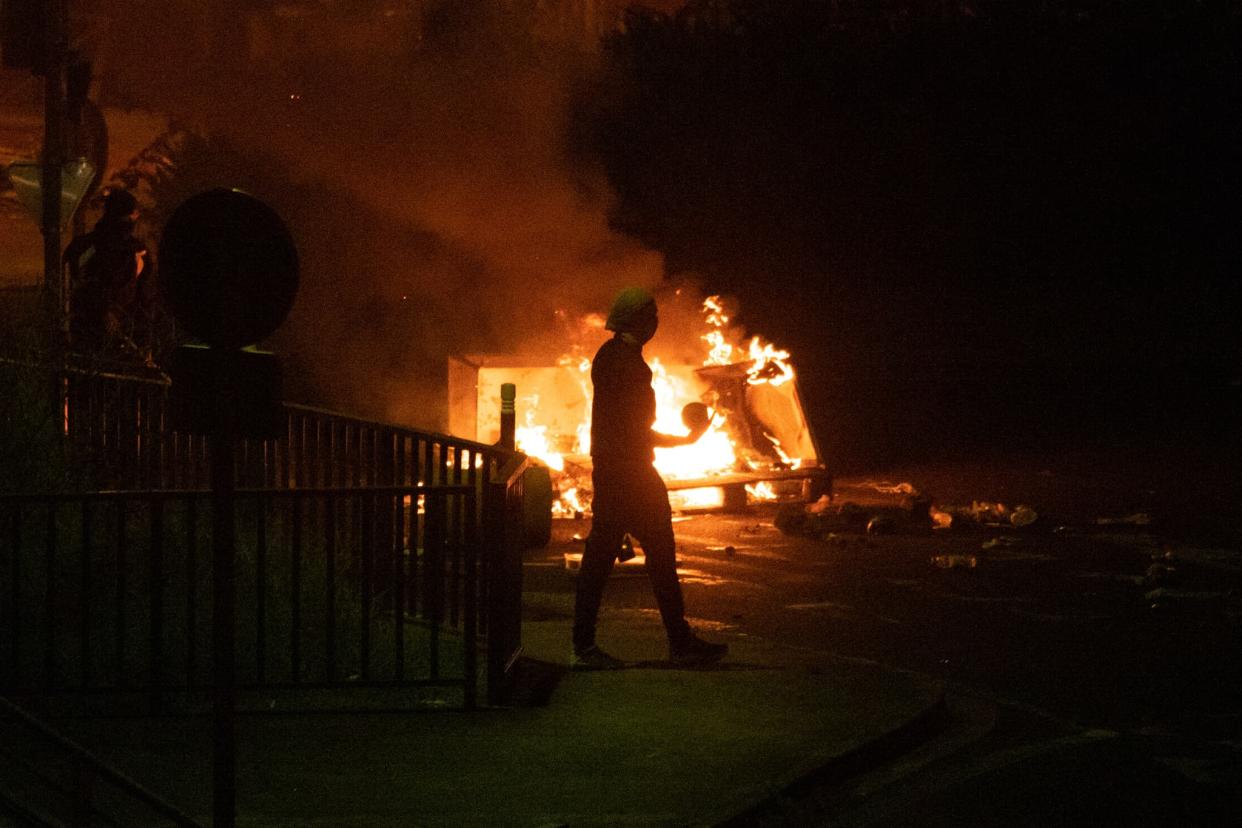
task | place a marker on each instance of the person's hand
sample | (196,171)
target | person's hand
(696,432)
(695,417)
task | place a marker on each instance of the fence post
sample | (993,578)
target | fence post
(493,556)
(504,574)
(508,416)
(224,799)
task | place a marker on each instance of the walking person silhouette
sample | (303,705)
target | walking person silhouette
(630,497)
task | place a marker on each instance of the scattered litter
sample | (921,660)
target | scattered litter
(955,561)
(847,517)
(1002,541)
(1136,519)
(820,505)
(891,488)
(986,513)
(980,512)
(1023,516)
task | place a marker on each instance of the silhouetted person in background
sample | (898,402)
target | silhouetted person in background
(630,497)
(110,280)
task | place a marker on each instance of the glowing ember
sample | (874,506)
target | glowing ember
(569,504)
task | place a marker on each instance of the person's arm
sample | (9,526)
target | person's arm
(661,440)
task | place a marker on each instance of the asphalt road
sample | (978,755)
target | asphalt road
(1095,666)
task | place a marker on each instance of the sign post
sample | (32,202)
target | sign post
(230,277)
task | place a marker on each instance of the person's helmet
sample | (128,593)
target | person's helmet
(119,203)
(632,311)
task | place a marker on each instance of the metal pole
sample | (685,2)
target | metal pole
(54,106)
(224,771)
(53,146)
(508,415)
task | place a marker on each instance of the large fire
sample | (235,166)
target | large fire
(565,447)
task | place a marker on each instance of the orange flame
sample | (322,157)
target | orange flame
(714,453)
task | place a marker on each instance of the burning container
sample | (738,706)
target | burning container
(759,447)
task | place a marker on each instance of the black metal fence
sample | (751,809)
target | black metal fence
(122,429)
(368,555)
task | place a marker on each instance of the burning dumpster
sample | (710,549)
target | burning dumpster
(758,448)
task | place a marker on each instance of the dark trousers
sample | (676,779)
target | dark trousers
(628,498)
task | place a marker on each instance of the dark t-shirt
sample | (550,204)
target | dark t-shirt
(624,406)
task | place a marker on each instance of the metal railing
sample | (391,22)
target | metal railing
(364,551)
(337,588)
(122,428)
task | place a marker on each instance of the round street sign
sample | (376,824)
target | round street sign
(228,268)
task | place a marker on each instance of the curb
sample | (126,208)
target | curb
(857,760)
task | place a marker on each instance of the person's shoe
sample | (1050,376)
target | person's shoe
(593,658)
(693,651)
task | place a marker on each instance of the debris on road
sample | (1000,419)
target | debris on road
(891,488)
(1023,516)
(824,519)
(1136,519)
(982,513)
(955,561)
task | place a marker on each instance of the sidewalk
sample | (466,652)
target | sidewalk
(647,745)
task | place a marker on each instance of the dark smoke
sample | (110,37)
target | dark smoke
(432,197)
